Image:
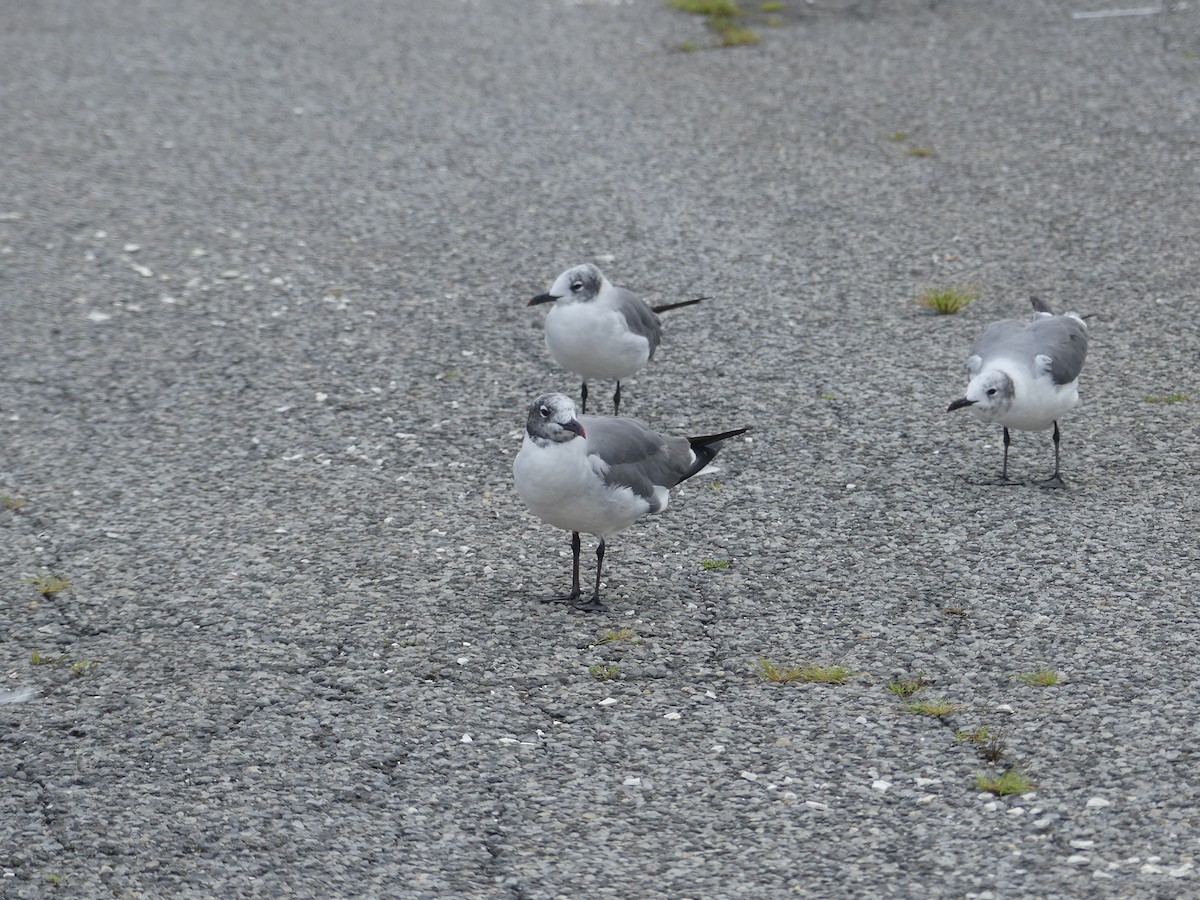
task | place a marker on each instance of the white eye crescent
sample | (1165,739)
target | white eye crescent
(577,286)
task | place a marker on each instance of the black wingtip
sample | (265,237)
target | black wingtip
(669,306)
(706,448)
(1039,305)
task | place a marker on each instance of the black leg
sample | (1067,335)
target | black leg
(1055,480)
(583,391)
(574,595)
(594,605)
(1004,479)
(617,400)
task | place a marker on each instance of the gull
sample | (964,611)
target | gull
(1025,375)
(600,474)
(599,330)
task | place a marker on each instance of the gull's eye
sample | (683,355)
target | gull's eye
(576,286)
(544,412)
(991,392)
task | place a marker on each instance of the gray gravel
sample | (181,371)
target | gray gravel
(266,358)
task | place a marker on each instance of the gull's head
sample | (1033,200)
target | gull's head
(576,285)
(989,395)
(552,420)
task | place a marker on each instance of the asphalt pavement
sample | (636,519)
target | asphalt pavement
(266,360)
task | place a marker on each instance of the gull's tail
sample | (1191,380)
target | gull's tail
(669,306)
(706,448)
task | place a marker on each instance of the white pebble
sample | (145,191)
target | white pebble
(1098,803)
(1082,845)
(96,316)
(672,715)
(608,701)
(1078,859)
(750,776)
(467,739)
(632,781)
(144,271)
(881,785)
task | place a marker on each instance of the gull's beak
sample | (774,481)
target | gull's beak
(542,298)
(574,426)
(959,404)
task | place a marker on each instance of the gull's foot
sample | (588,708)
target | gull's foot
(1054,481)
(593,605)
(1002,481)
(565,598)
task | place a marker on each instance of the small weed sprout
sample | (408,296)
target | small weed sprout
(618,634)
(12,502)
(976,735)
(1011,781)
(1042,677)
(934,706)
(710,564)
(816,674)
(602,672)
(82,667)
(772,6)
(827,395)
(49,584)
(897,136)
(994,750)
(948,299)
(920,152)
(38,658)
(1173,397)
(768,670)
(721,16)
(906,687)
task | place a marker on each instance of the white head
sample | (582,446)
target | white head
(576,285)
(989,396)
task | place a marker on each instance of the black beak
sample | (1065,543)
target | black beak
(959,404)
(542,298)
(574,426)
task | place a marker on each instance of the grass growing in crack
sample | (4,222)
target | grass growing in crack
(920,152)
(976,735)
(906,687)
(82,667)
(722,19)
(38,658)
(1042,677)
(617,634)
(1011,781)
(710,564)
(994,750)
(601,672)
(824,674)
(12,502)
(772,6)
(946,300)
(933,706)
(1173,397)
(49,584)
(827,396)
(769,670)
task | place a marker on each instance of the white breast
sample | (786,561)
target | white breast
(594,341)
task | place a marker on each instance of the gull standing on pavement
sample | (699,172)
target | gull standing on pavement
(1025,375)
(599,330)
(600,474)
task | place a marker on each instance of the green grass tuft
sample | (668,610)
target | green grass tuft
(906,687)
(12,502)
(1173,397)
(38,658)
(946,300)
(49,584)
(934,706)
(824,674)
(602,672)
(1042,677)
(708,7)
(772,6)
(710,564)
(920,152)
(976,735)
(1011,781)
(617,634)
(768,670)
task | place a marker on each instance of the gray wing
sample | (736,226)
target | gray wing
(636,457)
(1062,340)
(640,318)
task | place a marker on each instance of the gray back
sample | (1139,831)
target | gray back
(1064,339)
(639,316)
(637,457)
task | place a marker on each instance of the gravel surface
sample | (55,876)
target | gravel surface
(263,272)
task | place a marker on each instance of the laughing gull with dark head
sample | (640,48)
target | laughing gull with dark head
(1025,375)
(600,474)
(599,330)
